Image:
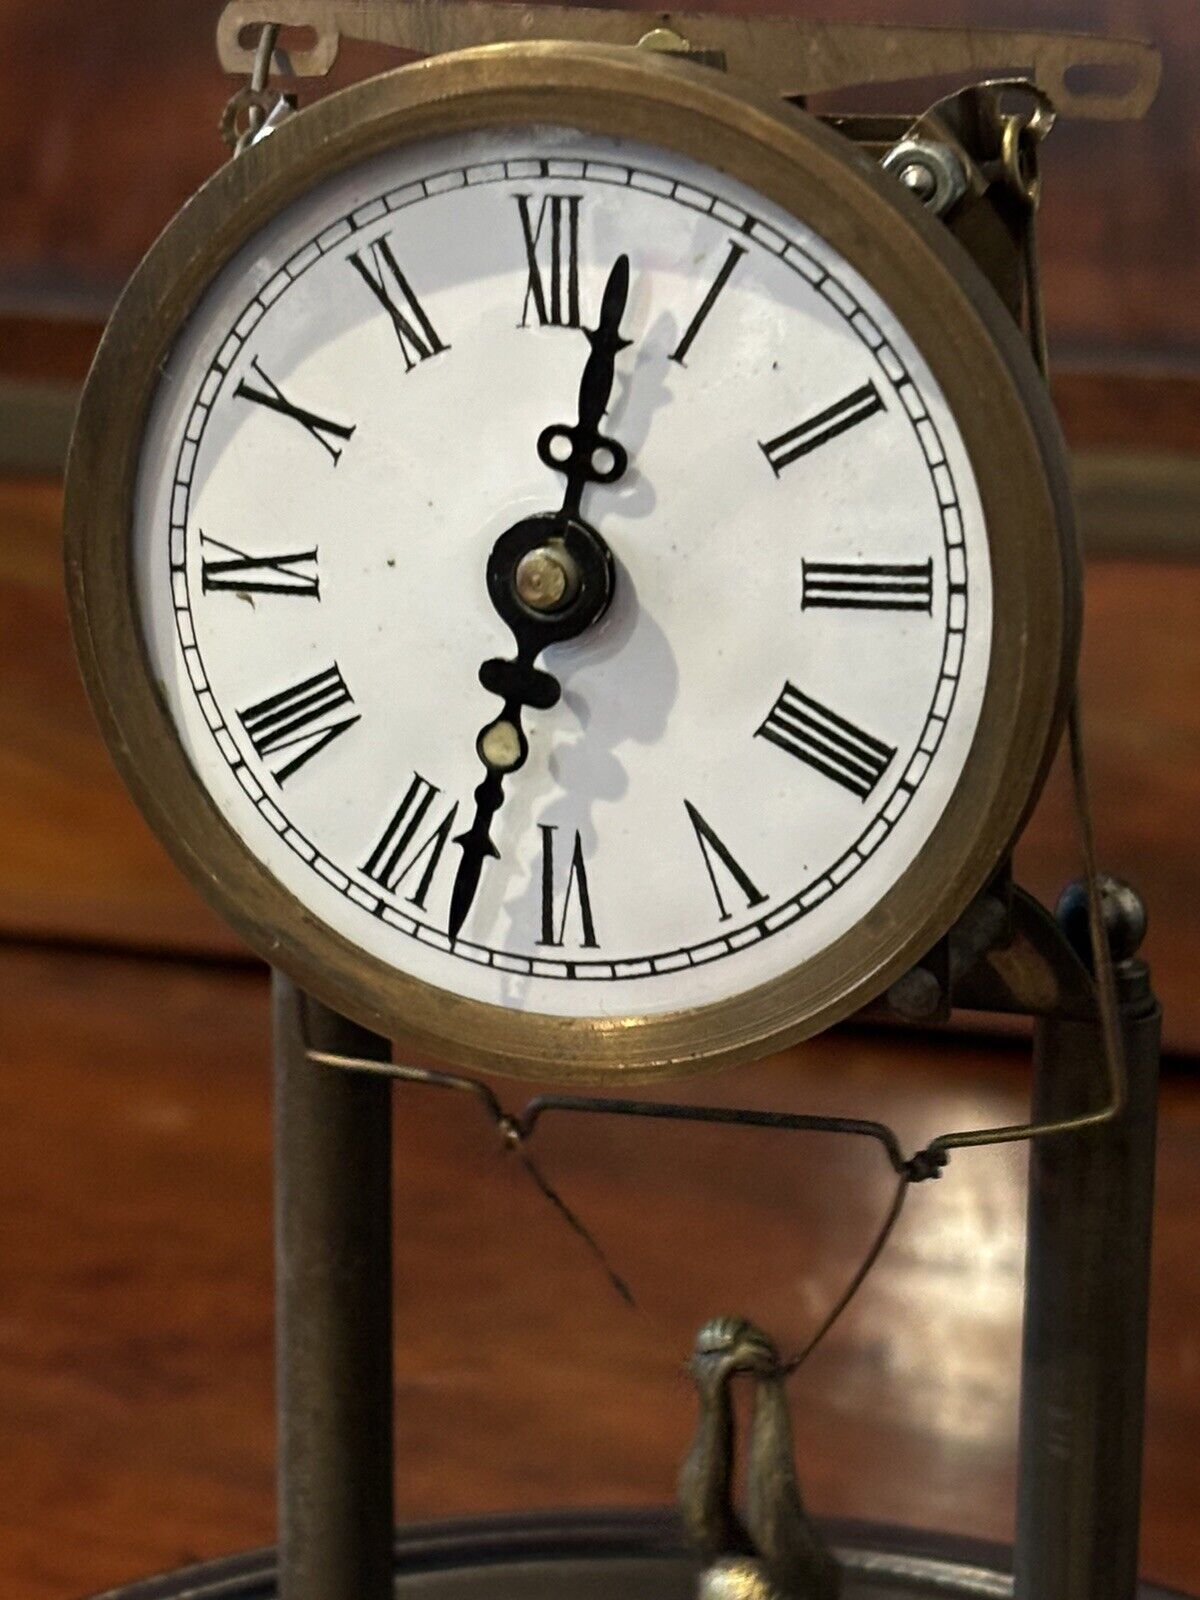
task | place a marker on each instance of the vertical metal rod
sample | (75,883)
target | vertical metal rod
(333,1309)
(1087,1280)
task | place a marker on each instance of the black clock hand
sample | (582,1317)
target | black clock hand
(550,577)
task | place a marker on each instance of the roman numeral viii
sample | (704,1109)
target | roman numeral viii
(576,890)
(828,743)
(224,566)
(867,586)
(322,429)
(399,855)
(818,430)
(553,283)
(299,722)
(380,271)
(716,854)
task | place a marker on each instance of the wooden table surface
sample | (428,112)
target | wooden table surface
(135,1286)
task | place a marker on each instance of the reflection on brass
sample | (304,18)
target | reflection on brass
(772,1551)
(791,55)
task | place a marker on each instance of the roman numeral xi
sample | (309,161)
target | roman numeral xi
(552,254)
(820,429)
(380,271)
(224,566)
(298,723)
(826,742)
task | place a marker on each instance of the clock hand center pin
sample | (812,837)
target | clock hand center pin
(550,577)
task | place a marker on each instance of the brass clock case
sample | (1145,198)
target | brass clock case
(976,356)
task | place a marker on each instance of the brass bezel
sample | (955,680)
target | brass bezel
(955,319)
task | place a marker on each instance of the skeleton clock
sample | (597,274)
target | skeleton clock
(573,555)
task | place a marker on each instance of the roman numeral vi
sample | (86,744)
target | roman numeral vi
(292,573)
(301,720)
(820,429)
(397,855)
(380,271)
(577,889)
(826,742)
(556,301)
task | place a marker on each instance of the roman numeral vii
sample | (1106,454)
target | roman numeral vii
(299,722)
(820,429)
(399,855)
(380,271)
(826,742)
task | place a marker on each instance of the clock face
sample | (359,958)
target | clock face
(759,733)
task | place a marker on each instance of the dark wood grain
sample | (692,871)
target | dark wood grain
(135,1341)
(111,118)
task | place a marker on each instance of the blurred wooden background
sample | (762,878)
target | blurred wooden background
(134,1216)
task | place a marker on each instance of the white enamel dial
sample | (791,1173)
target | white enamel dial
(761,732)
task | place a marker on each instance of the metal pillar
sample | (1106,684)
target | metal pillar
(333,1312)
(1087,1282)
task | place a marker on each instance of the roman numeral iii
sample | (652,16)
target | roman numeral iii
(224,566)
(576,892)
(298,723)
(322,429)
(818,430)
(380,271)
(399,855)
(826,742)
(552,254)
(715,854)
(867,586)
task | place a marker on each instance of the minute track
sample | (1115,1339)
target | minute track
(812,893)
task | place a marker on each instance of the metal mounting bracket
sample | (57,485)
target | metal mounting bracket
(794,56)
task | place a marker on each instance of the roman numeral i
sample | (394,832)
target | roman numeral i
(380,271)
(234,569)
(397,856)
(576,890)
(736,252)
(322,429)
(867,586)
(820,429)
(301,720)
(554,293)
(826,742)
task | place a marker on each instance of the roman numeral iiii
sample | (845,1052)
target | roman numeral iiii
(826,742)
(380,271)
(299,722)
(820,429)
(867,586)
(552,287)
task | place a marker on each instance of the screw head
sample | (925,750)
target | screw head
(545,579)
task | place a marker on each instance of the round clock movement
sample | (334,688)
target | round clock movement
(573,561)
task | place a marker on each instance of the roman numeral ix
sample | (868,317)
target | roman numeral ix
(224,566)
(713,851)
(828,424)
(867,586)
(398,855)
(736,252)
(322,429)
(299,722)
(380,271)
(556,301)
(828,743)
(576,890)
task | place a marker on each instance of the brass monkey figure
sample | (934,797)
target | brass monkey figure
(772,1551)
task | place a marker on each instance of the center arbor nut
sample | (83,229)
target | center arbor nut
(546,578)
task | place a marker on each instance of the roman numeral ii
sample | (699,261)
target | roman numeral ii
(299,722)
(826,742)
(820,429)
